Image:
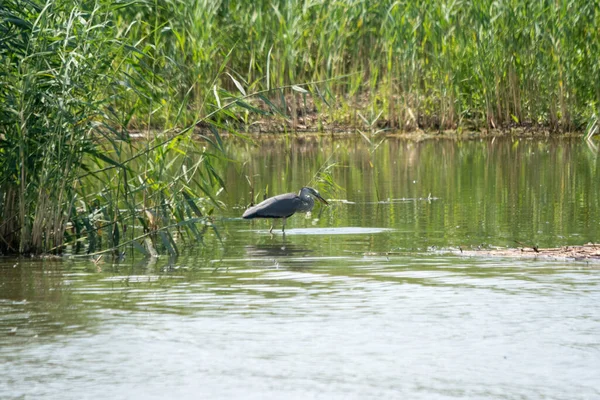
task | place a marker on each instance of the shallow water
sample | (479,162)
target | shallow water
(359,300)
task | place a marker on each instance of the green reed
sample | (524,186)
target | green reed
(49,103)
(78,77)
(70,175)
(434,64)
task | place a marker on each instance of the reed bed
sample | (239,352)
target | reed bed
(431,64)
(71,178)
(77,77)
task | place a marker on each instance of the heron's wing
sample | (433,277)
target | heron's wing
(283,205)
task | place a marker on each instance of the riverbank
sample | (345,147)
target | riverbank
(587,252)
(307,114)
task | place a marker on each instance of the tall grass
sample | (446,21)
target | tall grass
(69,173)
(433,63)
(54,60)
(76,77)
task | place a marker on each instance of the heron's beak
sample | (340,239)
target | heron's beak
(322,200)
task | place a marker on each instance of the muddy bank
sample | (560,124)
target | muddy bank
(587,252)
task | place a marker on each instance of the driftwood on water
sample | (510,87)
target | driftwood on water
(590,252)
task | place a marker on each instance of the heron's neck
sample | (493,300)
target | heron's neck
(307,202)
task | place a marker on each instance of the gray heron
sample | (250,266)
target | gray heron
(285,205)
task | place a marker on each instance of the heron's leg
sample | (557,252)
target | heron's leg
(283,227)
(271,230)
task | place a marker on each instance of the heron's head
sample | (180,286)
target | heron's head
(308,190)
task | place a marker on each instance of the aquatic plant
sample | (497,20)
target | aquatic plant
(70,173)
(80,78)
(429,64)
(55,60)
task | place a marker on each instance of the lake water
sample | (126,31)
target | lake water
(364,299)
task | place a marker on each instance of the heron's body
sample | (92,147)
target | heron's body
(284,205)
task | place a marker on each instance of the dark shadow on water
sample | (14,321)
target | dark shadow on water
(276,250)
(281,254)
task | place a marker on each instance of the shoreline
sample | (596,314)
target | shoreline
(587,252)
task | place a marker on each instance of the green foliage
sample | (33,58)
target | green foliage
(55,58)
(77,77)
(68,170)
(432,63)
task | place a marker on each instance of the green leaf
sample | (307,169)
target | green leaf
(237,84)
(269,103)
(251,108)
(217,233)
(105,158)
(19,22)
(299,89)
(167,242)
(140,248)
(215,91)
(215,132)
(191,203)
(116,235)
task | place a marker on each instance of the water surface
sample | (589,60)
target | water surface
(359,300)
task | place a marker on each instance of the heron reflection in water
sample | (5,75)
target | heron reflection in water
(285,205)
